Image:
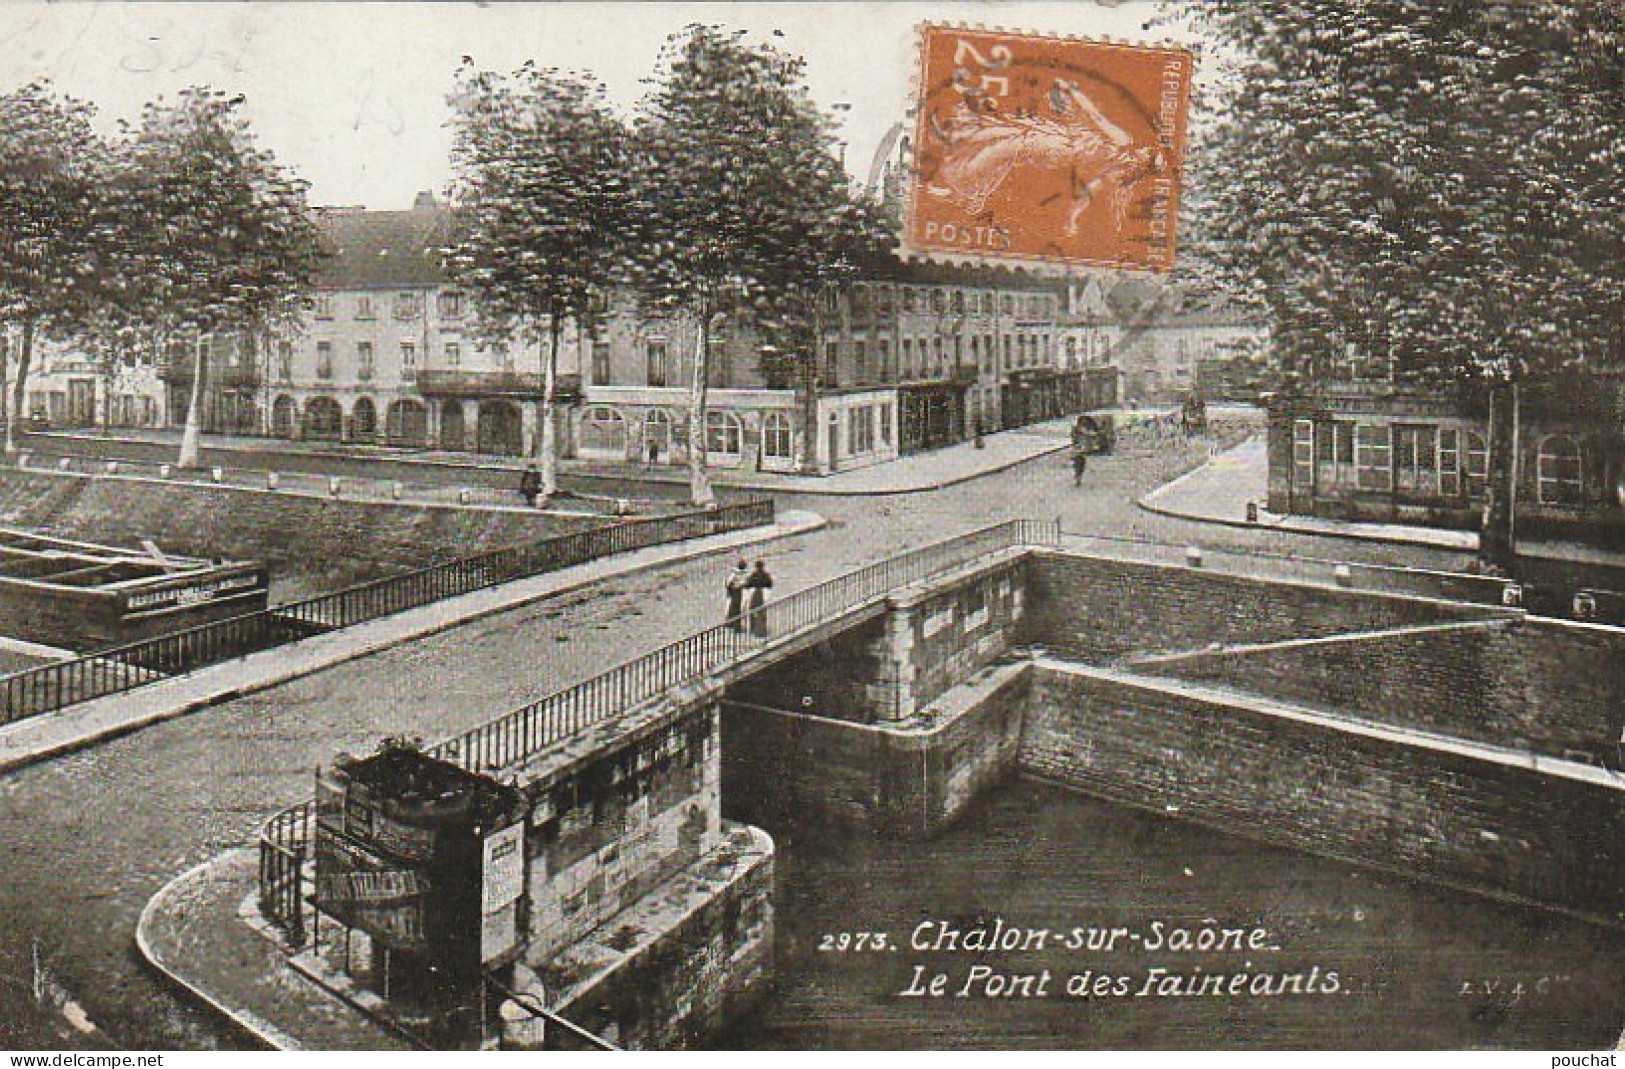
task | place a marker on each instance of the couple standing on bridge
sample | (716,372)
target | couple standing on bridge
(752,584)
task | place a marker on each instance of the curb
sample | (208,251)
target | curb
(46,750)
(260,1031)
(1288,526)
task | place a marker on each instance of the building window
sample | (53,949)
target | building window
(861,429)
(324,360)
(406,305)
(1478,466)
(911,300)
(1449,463)
(409,359)
(363,360)
(284,361)
(1303,456)
(1007,304)
(1372,457)
(451,305)
(1334,455)
(324,306)
(832,363)
(1416,460)
(1557,471)
(1008,345)
(603,432)
(600,363)
(908,358)
(454,354)
(723,434)
(860,361)
(363,307)
(776,436)
(655,362)
(885,426)
(883,357)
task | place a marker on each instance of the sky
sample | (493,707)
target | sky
(352,96)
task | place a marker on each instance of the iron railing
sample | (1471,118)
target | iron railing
(522,734)
(111,671)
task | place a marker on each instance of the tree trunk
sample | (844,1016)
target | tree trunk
(546,445)
(1495,538)
(6,415)
(190,437)
(698,478)
(809,396)
(25,356)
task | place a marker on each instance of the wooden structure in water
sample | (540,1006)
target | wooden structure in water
(83,596)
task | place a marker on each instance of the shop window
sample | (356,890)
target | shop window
(723,434)
(1477,466)
(1373,462)
(776,436)
(1558,471)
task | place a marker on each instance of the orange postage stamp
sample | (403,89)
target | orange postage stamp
(1046,150)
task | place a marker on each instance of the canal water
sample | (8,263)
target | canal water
(1220,943)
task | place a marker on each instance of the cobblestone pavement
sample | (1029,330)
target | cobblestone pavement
(87,838)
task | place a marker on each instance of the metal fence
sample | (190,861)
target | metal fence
(111,671)
(519,735)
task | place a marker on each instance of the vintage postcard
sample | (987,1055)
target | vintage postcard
(812,526)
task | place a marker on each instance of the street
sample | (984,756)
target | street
(91,836)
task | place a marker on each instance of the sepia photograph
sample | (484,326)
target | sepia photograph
(910,526)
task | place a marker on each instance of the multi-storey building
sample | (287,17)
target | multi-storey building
(388,353)
(909,358)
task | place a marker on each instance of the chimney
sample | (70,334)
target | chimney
(425,201)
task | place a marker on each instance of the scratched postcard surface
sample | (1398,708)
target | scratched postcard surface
(909,526)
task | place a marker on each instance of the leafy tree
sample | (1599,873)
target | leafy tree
(541,189)
(1434,187)
(738,189)
(52,174)
(219,236)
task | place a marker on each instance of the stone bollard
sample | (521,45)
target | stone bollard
(1585,605)
(1343,575)
(112,467)
(1193,556)
(395,491)
(464,496)
(64,464)
(217,474)
(333,485)
(1512,595)
(164,470)
(22,460)
(271,480)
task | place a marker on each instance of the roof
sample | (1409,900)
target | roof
(383,250)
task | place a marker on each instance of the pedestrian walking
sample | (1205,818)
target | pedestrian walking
(530,485)
(758,584)
(737,580)
(1080,464)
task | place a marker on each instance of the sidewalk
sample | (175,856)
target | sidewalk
(1218,492)
(915,473)
(37,737)
(199,931)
